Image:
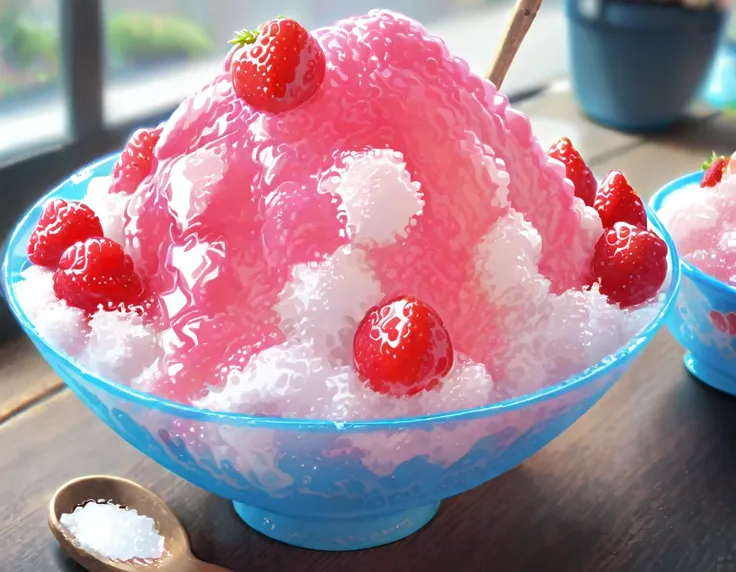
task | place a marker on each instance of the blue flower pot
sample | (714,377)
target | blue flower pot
(637,66)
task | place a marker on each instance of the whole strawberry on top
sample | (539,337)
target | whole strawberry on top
(278,67)
(714,169)
(576,169)
(616,201)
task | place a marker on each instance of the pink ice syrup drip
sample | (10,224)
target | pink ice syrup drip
(702,222)
(239,200)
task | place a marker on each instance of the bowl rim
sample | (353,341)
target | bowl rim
(694,273)
(606,365)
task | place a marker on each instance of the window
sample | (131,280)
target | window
(159,51)
(32,111)
(78,76)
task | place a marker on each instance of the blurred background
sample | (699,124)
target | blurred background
(158,51)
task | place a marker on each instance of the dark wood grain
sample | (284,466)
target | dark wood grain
(24,377)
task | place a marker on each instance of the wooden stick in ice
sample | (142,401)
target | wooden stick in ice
(519,23)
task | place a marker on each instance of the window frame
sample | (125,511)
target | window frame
(26,177)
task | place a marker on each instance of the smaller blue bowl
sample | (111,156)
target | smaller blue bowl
(704,320)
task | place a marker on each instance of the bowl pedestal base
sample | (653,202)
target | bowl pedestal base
(319,533)
(709,375)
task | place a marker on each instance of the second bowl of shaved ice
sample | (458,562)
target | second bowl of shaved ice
(699,210)
(342,282)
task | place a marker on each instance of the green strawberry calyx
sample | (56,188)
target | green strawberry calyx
(709,162)
(248,37)
(244,38)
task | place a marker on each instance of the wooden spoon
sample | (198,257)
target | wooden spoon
(518,25)
(177,555)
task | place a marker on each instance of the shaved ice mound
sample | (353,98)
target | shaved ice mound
(266,239)
(323,302)
(366,183)
(412,189)
(702,222)
(109,207)
(120,344)
(61,325)
(292,380)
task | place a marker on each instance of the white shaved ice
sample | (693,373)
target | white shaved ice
(292,380)
(145,381)
(506,261)
(60,325)
(550,336)
(686,212)
(468,385)
(117,344)
(378,195)
(120,346)
(591,222)
(324,302)
(287,379)
(109,207)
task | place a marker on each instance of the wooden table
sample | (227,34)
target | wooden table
(645,481)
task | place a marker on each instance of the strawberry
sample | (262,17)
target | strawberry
(401,347)
(97,274)
(616,202)
(576,170)
(714,169)
(135,162)
(278,67)
(630,264)
(61,224)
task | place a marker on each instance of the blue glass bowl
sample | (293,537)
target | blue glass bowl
(700,321)
(320,484)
